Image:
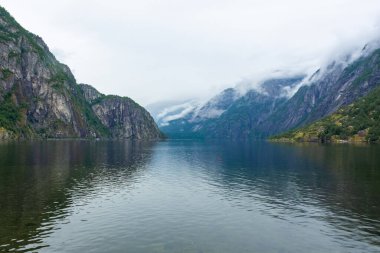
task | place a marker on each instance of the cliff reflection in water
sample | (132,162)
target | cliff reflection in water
(304,183)
(39,181)
(189,196)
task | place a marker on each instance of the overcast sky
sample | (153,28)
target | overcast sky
(153,50)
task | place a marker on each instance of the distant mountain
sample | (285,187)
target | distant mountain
(39,97)
(167,111)
(225,115)
(247,115)
(185,122)
(357,122)
(340,84)
(281,104)
(155,109)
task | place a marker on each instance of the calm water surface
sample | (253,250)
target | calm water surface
(186,196)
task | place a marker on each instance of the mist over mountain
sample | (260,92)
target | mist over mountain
(277,105)
(165,50)
(41,97)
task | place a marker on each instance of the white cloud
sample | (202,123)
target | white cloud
(176,111)
(157,50)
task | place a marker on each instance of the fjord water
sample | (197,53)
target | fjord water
(188,196)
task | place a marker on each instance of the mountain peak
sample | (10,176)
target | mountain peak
(39,96)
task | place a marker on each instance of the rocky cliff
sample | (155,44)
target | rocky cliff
(266,111)
(357,122)
(122,117)
(39,97)
(340,85)
(235,116)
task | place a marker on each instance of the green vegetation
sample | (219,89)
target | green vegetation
(17,106)
(12,117)
(9,113)
(82,106)
(4,38)
(13,54)
(58,81)
(357,122)
(6,73)
(106,97)
(7,34)
(8,17)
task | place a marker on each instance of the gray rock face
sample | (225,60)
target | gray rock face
(90,93)
(339,86)
(240,116)
(265,113)
(121,115)
(39,96)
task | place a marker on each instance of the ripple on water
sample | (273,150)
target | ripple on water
(189,197)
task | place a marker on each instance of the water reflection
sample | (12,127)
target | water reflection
(300,183)
(189,196)
(39,182)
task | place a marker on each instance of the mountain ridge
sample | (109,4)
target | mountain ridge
(40,98)
(259,114)
(357,122)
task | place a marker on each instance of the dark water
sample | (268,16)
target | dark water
(183,196)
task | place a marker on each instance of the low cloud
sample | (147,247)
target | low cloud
(163,50)
(176,112)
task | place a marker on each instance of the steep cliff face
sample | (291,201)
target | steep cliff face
(234,116)
(339,86)
(121,115)
(217,105)
(39,96)
(246,117)
(357,122)
(264,112)
(36,90)
(187,119)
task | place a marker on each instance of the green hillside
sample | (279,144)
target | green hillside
(358,122)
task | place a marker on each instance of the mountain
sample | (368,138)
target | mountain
(40,98)
(340,84)
(184,123)
(357,122)
(121,116)
(231,114)
(281,104)
(246,117)
(166,111)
